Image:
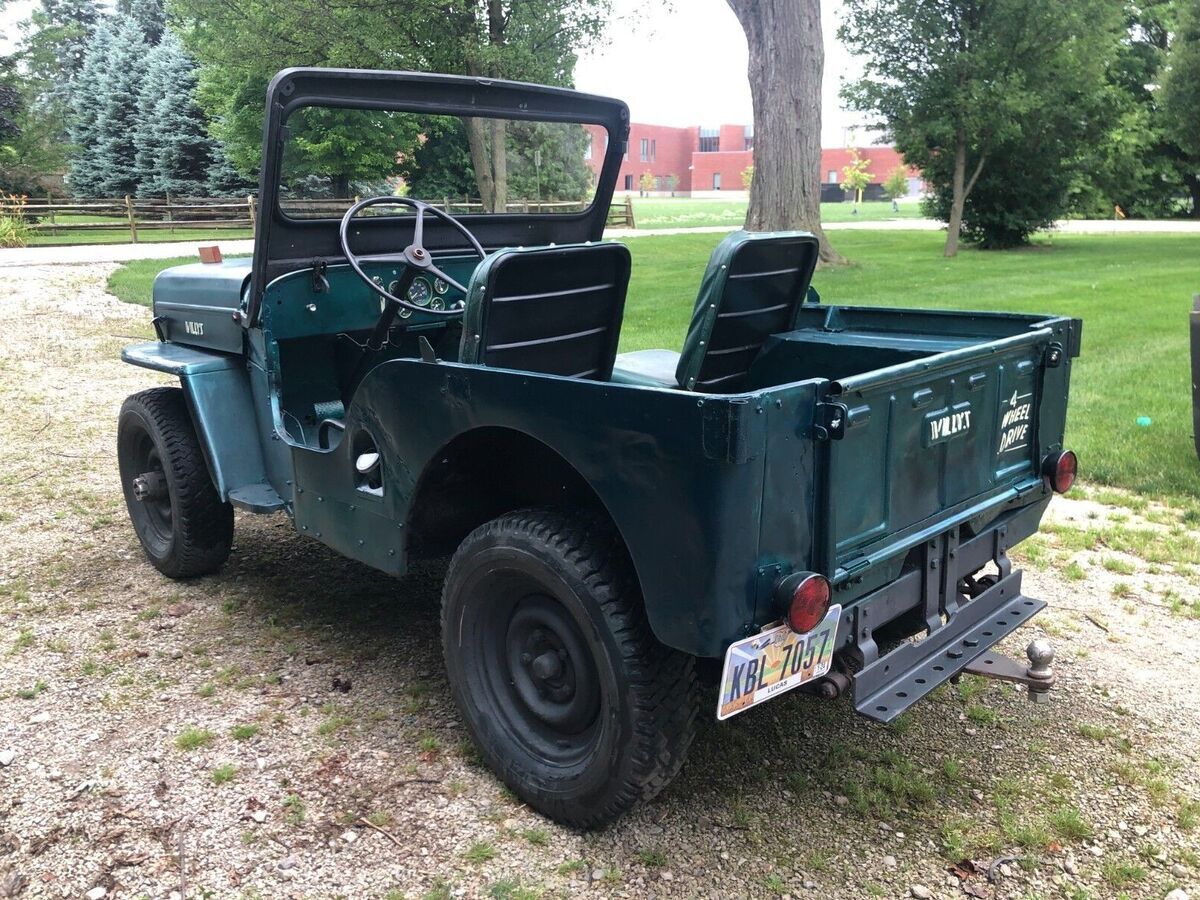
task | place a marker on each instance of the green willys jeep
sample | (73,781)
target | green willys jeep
(806,495)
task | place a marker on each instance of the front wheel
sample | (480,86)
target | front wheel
(567,694)
(179,518)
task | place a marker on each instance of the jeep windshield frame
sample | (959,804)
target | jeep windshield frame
(284,243)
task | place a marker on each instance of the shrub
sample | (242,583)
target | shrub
(14,229)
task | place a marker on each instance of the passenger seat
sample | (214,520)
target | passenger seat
(753,287)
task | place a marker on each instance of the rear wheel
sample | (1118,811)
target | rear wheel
(183,526)
(569,697)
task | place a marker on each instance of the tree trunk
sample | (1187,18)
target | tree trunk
(960,192)
(786,59)
(1193,186)
(480,162)
(499,166)
(957,197)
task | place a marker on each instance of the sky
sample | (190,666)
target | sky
(674,64)
(687,66)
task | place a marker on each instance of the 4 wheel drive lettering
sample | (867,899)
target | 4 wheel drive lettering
(1014,423)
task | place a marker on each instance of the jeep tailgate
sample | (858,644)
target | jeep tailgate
(917,448)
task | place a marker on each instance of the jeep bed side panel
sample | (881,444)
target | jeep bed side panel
(680,475)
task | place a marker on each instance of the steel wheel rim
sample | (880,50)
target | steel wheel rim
(549,707)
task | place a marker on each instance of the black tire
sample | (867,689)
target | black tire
(617,712)
(181,522)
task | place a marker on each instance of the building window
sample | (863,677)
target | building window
(629,182)
(653,150)
(587,147)
(748,135)
(710,140)
(645,150)
(716,181)
(832,179)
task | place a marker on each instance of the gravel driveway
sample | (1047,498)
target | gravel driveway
(284,729)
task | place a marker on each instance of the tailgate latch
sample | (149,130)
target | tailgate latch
(829,422)
(1054,355)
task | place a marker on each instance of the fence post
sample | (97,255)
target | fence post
(170,219)
(50,200)
(629,210)
(132,221)
(250,207)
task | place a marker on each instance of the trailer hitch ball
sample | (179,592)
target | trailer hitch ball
(1040,671)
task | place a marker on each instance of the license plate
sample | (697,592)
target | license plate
(774,661)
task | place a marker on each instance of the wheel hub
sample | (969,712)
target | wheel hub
(551,671)
(149,486)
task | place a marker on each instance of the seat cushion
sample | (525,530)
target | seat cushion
(648,368)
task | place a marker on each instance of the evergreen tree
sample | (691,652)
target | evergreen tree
(116,119)
(224,180)
(174,150)
(86,101)
(148,137)
(151,18)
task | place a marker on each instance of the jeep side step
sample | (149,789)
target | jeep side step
(894,682)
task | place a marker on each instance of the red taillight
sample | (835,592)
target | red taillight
(1059,470)
(804,600)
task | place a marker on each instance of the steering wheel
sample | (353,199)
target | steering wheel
(415,259)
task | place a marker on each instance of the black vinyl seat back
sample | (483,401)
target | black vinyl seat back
(554,310)
(754,286)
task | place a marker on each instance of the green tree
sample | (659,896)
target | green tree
(440,167)
(240,47)
(855,176)
(174,150)
(86,100)
(224,180)
(1181,98)
(51,53)
(117,116)
(747,177)
(963,84)
(895,185)
(1135,165)
(150,16)
(646,182)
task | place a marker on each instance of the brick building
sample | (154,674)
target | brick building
(707,160)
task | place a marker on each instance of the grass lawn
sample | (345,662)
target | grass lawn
(1132,291)
(684,212)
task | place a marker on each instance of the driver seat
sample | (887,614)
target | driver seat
(553,310)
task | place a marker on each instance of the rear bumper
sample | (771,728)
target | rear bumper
(885,688)
(927,598)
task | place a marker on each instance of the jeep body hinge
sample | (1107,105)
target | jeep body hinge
(829,422)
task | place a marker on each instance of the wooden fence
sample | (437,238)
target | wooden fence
(182,214)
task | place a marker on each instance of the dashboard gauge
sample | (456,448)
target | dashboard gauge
(437,303)
(419,292)
(440,286)
(405,312)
